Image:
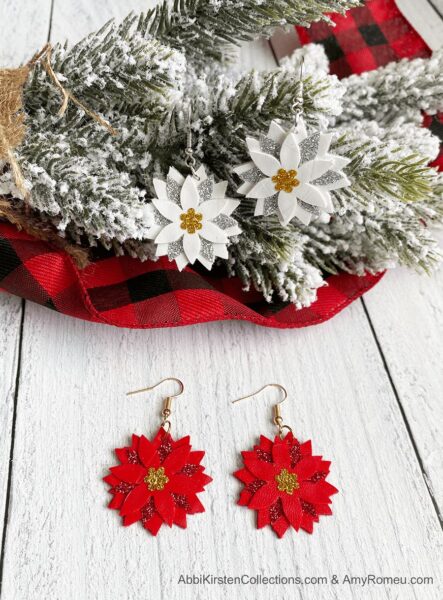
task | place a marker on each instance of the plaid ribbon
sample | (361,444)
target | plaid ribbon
(125,292)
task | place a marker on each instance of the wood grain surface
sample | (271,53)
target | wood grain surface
(366,387)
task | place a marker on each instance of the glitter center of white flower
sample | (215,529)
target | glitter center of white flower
(191,221)
(285,181)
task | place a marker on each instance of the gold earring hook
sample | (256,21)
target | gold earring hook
(148,389)
(277,385)
(168,400)
(278,420)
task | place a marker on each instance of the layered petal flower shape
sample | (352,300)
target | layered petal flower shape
(157,482)
(292,173)
(192,218)
(285,484)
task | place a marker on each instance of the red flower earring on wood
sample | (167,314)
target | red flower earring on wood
(158,481)
(283,481)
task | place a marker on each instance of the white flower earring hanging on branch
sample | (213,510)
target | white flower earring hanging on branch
(192,216)
(292,172)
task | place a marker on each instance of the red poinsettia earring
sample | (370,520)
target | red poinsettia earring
(283,481)
(158,481)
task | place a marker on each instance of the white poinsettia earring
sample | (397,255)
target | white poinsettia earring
(192,216)
(292,172)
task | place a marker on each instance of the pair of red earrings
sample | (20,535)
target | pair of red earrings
(158,481)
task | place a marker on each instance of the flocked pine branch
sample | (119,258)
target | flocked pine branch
(397,91)
(113,67)
(94,188)
(204,29)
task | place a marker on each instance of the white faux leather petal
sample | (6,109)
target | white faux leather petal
(230,206)
(266,163)
(339,161)
(243,168)
(311,195)
(252,144)
(191,246)
(189,194)
(340,181)
(276,132)
(324,143)
(263,189)
(221,251)
(170,233)
(300,131)
(161,250)
(259,207)
(211,208)
(287,204)
(290,153)
(175,175)
(181,261)
(245,188)
(212,233)
(205,262)
(160,188)
(313,169)
(219,189)
(302,214)
(201,173)
(329,205)
(168,209)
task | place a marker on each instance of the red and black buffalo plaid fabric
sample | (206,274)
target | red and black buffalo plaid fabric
(128,293)
(366,38)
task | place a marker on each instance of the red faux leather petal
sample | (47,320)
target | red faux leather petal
(129,473)
(196,457)
(122,454)
(302,494)
(116,501)
(292,510)
(306,448)
(177,459)
(137,498)
(280,526)
(180,517)
(265,444)
(261,469)
(244,475)
(184,441)
(263,518)
(146,451)
(134,499)
(153,524)
(319,492)
(244,498)
(165,506)
(132,518)
(111,479)
(264,497)
(280,453)
(195,506)
(323,509)
(181,484)
(307,523)
(307,466)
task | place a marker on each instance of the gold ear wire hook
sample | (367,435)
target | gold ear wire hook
(278,420)
(168,400)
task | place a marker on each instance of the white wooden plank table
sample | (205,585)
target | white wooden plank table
(365,386)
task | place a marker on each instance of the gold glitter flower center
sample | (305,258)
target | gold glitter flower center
(287,482)
(156,479)
(285,181)
(191,221)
